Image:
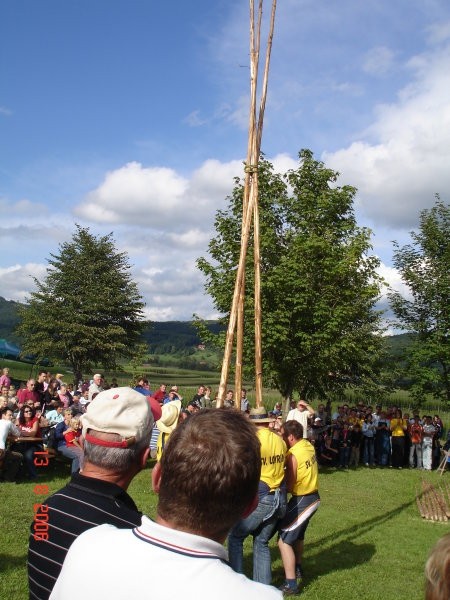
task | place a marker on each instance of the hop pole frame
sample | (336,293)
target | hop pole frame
(250,214)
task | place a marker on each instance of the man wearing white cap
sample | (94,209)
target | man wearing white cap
(116,431)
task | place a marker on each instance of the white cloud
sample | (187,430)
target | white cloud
(5,111)
(133,194)
(22,208)
(378,61)
(393,278)
(160,198)
(17,280)
(402,159)
(193,119)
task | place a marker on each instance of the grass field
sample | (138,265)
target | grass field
(367,540)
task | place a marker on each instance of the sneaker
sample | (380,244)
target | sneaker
(298,572)
(289,591)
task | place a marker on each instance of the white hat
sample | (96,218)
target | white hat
(169,416)
(118,410)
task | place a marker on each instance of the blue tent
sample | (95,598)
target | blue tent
(8,350)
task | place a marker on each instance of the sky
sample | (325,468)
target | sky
(130,117)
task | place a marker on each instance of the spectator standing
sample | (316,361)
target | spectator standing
(5,380)
(429,431)
(206,400)
(166,425)
(344,446)
(199,395)
(184,547)
(51,394)
(96,386)
(41,386)
(245,404)
(117,430)
(302,481)
(161,394)
(262,522)
(301,414)
(355,444)
(398,432)
(415,432)
(368,431)
(383,440)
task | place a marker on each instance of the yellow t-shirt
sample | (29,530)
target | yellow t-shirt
(307,476)
(273,457)
(397,427)
(162,441)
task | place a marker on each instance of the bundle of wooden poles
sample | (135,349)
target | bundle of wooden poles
(250,216)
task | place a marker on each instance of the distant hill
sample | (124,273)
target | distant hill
(172,337)
(169,337)
(8,319)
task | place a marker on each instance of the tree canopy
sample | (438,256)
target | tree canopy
(319,283)
(87,311)
(424,266)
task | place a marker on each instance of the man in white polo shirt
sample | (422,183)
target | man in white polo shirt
(207,480)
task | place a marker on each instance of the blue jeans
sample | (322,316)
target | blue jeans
(75,454)
(261,524)
(369,450)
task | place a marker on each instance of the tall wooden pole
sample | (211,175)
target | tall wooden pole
(249,214)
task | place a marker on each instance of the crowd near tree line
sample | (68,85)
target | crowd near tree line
(319,289)
(47,410)
(271,460)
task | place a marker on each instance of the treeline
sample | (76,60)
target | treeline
(169,337)
(180,338)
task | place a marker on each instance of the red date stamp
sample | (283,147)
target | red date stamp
(40,519)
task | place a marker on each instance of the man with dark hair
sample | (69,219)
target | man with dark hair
(116,429)
(302,482)
(207,480)
(41,386)
(262,522)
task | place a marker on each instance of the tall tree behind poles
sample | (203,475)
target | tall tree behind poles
(249,212)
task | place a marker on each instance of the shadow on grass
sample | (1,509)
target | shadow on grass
(342,555)
(8,563)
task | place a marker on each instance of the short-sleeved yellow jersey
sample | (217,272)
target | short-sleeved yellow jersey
(306,481)
(273,457)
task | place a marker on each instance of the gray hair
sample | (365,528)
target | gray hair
(119,460)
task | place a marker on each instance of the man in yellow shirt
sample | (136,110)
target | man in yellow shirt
(262,522)
(302,481)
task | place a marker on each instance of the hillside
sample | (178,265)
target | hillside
(8,319)
(169,337)
(172,337)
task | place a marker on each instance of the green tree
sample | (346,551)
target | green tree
(87,311)
(319,283)
(424,266)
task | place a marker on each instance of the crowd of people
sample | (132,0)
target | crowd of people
(248,468)
(361,435)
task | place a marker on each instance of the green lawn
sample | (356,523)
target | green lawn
(367,540)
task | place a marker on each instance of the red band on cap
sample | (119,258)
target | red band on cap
(125,443)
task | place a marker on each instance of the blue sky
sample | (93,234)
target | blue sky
(131,116)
